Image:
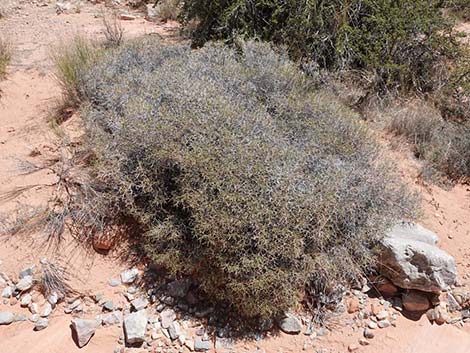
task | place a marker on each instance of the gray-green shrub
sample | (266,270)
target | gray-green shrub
(404,43)
(237,172)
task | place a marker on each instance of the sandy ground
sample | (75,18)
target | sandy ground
(28,97)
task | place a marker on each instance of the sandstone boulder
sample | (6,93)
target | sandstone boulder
(410,260)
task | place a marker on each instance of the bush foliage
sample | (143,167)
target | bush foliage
(71,60)
(404,42)
(236,170)
(444,145)
(5,56)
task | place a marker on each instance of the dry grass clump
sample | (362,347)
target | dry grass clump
(235,171)
(113,31)
(54,280)
(444,145)
(71,60)
(5,55)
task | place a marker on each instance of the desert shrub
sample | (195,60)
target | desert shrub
(459,8)
(168,9)
(113,31)
(401,42)
(444,145)
(5,56)
(236,171)
(71,60)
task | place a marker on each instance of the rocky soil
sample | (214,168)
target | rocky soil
(420,303)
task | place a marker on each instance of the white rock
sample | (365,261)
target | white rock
(6,317)
(33,308)
(167,316)
(25,300)
(129,276)
(174,330)
(416,264)
(27,272)
(84,330)
(46,310)
(53,298)
(290,324)
(41,324)
(113,318)
(7,292)
(25,283)
(140,303)
(135,327)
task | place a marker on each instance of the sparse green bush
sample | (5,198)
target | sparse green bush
(403,43)
(236,170)
(5,56)
(442,144)
(71,60)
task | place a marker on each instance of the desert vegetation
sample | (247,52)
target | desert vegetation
(237,170)
(401,44)
(5,55)
(383,49)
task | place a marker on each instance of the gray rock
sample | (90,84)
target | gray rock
(383,323)
(108,306)
(113,318)
(84,330)
(62,7)
(46,310)
(25,283)
(415,264)
(368,333)
(27,272)
(152,12)
(465,314)
(6,317)
(129,276)
(25,300)
(224,343)
(135,327)
(7,292)
(412,231)
(114,282)
(21,317)
(290,324)
(202,346)
(53,298)
(139,303)
(41,324)
(33,308)
(179,289)
(174,330)
(167,316)
(76,303)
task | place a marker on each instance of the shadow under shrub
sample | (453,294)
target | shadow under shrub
(238,172)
